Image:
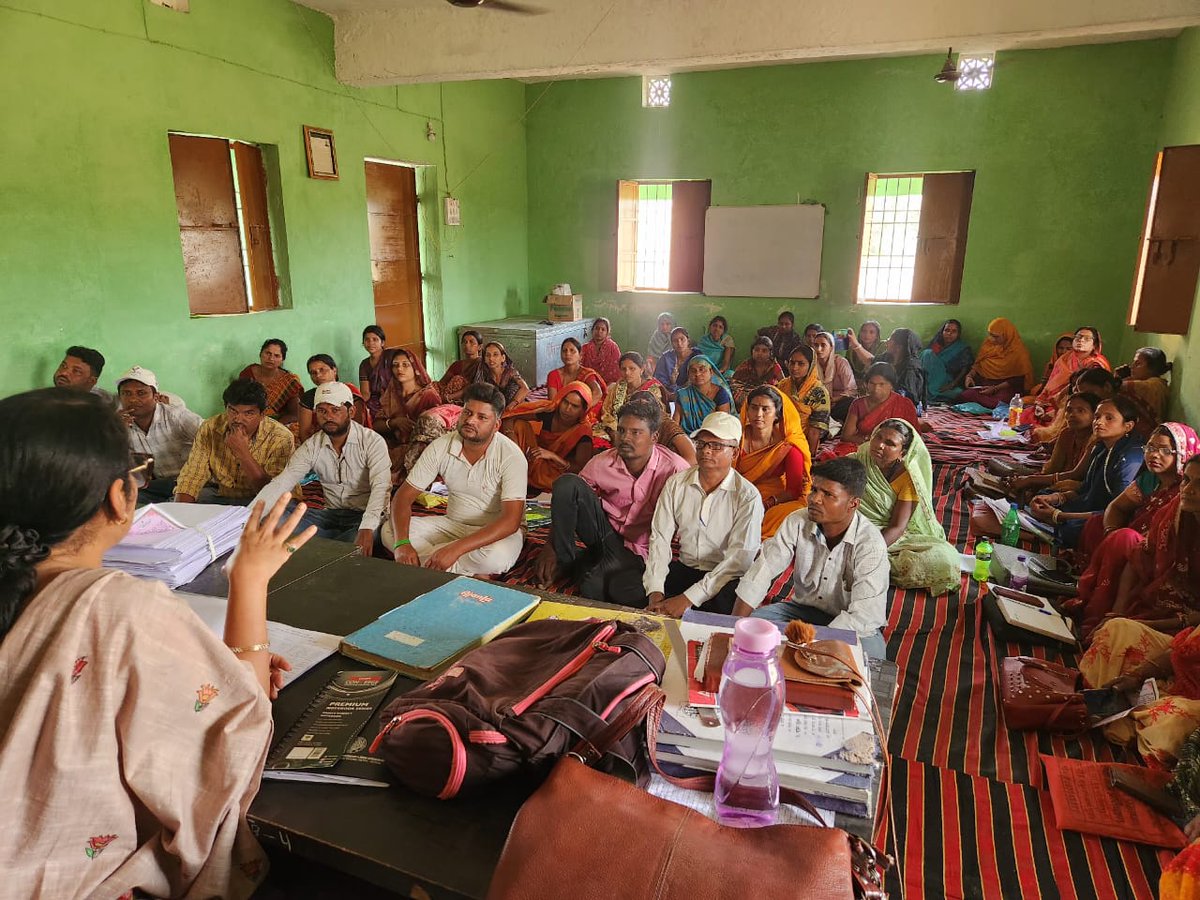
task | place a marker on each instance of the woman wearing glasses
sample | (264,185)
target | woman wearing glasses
(134,738)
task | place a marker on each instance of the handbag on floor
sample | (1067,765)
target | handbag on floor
(518,703)
(1040,695)
(584,835)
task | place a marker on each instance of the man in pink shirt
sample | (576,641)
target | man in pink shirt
(609,506)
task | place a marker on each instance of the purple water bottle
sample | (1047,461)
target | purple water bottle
(751,701)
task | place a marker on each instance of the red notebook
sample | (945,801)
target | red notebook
(1084,801)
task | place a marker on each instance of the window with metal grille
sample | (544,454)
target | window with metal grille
(660,235)
(914,236)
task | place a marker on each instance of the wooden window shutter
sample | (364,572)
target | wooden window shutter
(942,237)
(252,185)
(1164,284)
(689,202)
(627,203)
(208,226)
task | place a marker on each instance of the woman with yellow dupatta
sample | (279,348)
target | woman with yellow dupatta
(775,457)
(555,435)
(899,501)
(1002,367)
(810,397)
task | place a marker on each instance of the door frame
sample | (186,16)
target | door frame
(427,253)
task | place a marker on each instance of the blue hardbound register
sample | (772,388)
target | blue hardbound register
(427,634)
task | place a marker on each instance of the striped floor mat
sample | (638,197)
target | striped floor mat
(971,820)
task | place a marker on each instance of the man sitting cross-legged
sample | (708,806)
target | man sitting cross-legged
(841,560)
(608,506)
(486,476)
(352,465)
(718,516)
(236,452)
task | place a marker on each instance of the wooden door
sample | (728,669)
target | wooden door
(942,236)
(395,255)
(1164,285)
(208,224)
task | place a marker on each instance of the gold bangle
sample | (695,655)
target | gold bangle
(1057,517)
(253,648)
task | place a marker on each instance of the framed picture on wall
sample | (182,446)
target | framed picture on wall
(318,150)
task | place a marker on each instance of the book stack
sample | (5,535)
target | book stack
(174,542)
(828,751)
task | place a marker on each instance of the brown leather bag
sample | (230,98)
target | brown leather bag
(1041,695)
(584,835)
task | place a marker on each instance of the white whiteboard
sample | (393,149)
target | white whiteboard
(763,251)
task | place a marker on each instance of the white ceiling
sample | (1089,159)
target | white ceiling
(406,41)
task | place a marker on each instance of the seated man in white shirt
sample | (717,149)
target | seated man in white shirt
(486,475)
(156,428)
(718,516)
(841,575)
(352,465)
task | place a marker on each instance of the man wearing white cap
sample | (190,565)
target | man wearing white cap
(717,515)
(352,465)
(163,431)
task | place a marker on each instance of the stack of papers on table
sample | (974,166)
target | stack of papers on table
(173,542)
(830,757)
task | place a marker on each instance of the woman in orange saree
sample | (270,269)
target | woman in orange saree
(1002,367)
(1086,350)
(555,435)
(775,457)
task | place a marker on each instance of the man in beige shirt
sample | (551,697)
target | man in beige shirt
(717,515)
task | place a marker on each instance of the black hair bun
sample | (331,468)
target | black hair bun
(20,548)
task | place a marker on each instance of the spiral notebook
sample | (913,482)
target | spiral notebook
(326,743)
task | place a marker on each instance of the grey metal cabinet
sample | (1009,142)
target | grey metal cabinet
(532,344)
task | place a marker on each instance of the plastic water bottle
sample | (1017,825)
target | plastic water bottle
(1018,578)
(1010,529)
(751,702)
(983,559)
(1015,409)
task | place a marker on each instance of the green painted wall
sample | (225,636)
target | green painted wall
(1060,146)
(91,252)
(1181,125)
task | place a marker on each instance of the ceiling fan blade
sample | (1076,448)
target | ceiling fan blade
(507,6)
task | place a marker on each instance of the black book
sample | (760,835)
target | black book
(326,743)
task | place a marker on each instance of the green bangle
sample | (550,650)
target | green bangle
(403,542)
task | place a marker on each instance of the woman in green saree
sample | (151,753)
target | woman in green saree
(899,501)
(947,360)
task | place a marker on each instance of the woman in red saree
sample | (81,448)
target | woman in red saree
(409,394)
(866,413)
(601,353)
(775,457)
(283,387)
(555,435)
(1155,578)
(462,371)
